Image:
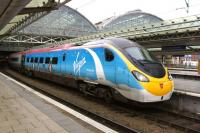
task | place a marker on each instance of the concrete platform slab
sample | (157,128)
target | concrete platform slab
(22,111)
(184,73)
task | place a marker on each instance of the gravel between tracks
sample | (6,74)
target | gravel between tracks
(68,94)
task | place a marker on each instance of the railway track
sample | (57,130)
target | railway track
(185,123)
(181,122)
(110,123)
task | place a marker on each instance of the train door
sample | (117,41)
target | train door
(63,59)
(23,59)
(55,63)
(122,72)
(47,63)
(36,64)
(41,65)
(29,62)
(32,62)
(109,65)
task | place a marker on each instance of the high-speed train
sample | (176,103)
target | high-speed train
(112,68)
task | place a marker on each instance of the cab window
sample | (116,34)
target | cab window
(109,56)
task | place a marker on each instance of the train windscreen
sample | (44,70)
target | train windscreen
(147,62)
(140,57)
(140,54)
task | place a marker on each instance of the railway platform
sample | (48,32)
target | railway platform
(186,80)
(184,72)
(187,85)
(22,111)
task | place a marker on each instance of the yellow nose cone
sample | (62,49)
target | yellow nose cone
(158,88)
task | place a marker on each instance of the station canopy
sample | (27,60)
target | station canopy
(133,18)
(62,22)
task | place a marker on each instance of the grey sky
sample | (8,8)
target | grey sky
(97,10)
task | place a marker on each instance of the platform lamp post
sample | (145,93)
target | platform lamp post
(199,66)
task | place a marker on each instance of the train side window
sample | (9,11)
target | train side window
(64,57)
(27,59)
(109,56)
(32,59)
(36,60)
(41,59)
(47,60)
(54,60)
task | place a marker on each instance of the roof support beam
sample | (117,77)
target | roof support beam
(10,10)
(175,52)
(36,10)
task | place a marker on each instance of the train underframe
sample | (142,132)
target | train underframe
(87,88)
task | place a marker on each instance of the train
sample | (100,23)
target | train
(111,68)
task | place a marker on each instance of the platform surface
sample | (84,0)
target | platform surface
(187,85)
(23,112)
(182,72)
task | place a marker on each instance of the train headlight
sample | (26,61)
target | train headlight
(170,76)
(139,76)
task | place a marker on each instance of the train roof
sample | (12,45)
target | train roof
(48,49)
(123,43)
(116,42)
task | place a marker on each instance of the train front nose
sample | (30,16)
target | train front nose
(157,90)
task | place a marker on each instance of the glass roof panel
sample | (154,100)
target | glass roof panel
(133,19)
(63,22)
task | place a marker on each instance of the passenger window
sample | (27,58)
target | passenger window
(47,60)
(36,60)
(41,59)
(108,55)
(54,60)
(32,60)
(64,57)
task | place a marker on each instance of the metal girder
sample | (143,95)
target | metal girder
(12,48)
(27,21)
(183,28)
(9,9)
(185,38)
(177,52)
(36,10)
(23,42)
(31,39)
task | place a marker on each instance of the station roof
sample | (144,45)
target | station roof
(15,11)
(62,22)
(9,9)
(15,18)
(132,18)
